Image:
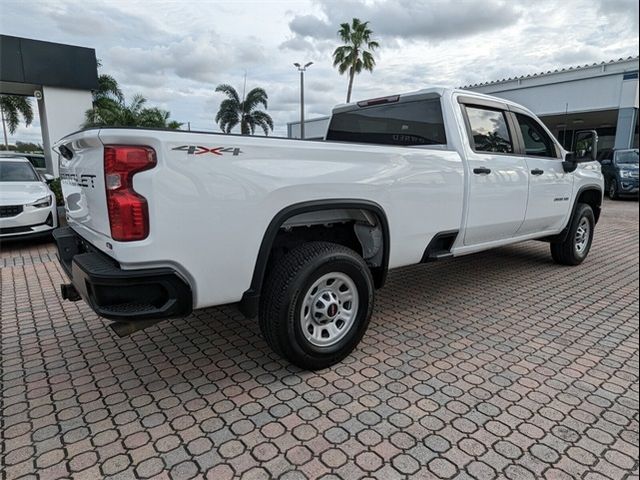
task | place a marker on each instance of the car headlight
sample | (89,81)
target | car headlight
(42,202)
(625,174)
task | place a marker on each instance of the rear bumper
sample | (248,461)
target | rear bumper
(117,294)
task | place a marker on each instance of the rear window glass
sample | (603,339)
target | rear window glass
(406,124)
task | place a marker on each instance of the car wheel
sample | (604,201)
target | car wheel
(575,248)
(316,304)
(613,189)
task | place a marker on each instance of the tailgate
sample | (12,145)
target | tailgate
(81,162)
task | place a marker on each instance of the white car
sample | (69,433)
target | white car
(27,204)
(302,232)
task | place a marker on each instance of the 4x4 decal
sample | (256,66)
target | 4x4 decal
(200,150)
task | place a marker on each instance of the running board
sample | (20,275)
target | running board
(440,256)
(439,247)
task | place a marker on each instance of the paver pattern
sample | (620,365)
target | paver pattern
(500,364)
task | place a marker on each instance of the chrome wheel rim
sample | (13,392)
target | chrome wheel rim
(582,236)
(329,309)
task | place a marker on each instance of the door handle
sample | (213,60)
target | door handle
(537,171)
(482,171)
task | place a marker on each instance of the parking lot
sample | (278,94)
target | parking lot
(500,364)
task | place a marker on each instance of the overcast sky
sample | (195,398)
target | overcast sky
(176,52)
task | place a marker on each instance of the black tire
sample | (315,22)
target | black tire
(285,290)
(612,191)
(568,252)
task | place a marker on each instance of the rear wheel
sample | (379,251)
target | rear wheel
(316,304)
(575,248)
(613,189)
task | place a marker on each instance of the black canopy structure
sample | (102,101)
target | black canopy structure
(59,76)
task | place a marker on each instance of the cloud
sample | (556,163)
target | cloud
(175,53)
(408,19)
(311,26)
(199,59)
(625,11)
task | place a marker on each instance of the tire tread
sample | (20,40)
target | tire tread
(563,252)
(274,298)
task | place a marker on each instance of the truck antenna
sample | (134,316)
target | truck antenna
(244,88)
(564,131)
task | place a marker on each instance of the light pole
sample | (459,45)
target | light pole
(302,69)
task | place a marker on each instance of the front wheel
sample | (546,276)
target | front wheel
(316,304)
(575,248)
(613,189)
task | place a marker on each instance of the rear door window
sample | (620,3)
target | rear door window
(407,124)
(489,130)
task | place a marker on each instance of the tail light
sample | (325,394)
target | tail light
(128,211)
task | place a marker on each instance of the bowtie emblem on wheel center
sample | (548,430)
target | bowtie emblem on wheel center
(332,310)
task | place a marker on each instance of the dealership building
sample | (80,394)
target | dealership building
(602,97)
(60,77)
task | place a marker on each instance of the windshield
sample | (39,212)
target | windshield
(627,157)
(17,172)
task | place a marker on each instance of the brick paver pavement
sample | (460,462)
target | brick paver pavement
(500,364)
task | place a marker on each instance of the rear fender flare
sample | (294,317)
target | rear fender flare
(251,298)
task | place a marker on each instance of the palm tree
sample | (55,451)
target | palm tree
(135,114)
(234,111)
(353,56)
(110,109)
(12,107)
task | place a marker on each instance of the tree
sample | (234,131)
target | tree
(357,52)
(110,109)
(233,111)
(12,107)
(118,114)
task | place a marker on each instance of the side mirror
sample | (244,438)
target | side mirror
(586,146)
(586,150)
(570,163)
(48,177)
(606,161)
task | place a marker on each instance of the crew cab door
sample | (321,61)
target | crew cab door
(498,176)
(550,186)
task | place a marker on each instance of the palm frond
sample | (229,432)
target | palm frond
(229,91)
(108,88)
(263,120)
(345,32)
(368,62)
(14,107)
(255,97)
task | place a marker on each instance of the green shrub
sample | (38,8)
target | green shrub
(56,188)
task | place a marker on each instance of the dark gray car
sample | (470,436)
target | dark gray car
(620,170)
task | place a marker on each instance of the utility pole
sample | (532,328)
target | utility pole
(302,69)
(4,130)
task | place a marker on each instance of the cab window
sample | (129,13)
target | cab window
(537,142)
(489,131)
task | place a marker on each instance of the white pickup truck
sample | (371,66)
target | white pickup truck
(301,233)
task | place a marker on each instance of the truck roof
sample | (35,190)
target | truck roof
(430,91)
